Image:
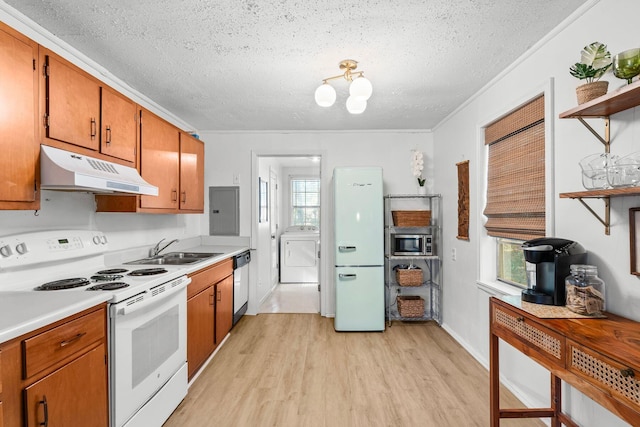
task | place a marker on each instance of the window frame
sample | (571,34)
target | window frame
(487,250)
(292,207)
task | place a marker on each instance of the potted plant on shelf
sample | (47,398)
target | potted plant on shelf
(417,164)
(595,61)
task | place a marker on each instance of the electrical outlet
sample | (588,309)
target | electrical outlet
(454,254)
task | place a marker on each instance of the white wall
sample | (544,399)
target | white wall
(230,154)
(62,210)
(459,138)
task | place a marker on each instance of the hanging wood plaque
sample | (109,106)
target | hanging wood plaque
(463,200)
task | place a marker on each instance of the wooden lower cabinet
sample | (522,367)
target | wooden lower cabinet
(224,308)
(209,312)
(67,383)
(74,395)
(1,407)
(200,328)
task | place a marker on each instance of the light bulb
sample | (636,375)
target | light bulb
(361,88)
(356,105)
(325,95)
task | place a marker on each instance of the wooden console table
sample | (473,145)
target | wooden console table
(599,357)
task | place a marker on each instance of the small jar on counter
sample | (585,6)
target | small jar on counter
(585,290)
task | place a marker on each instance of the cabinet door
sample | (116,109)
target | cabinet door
(18,100)
(159,163)
(191,173)
(200,328)
(74,395)
(118,126)
(73,104)
(224,308)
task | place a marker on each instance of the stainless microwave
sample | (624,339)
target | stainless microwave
(412,244)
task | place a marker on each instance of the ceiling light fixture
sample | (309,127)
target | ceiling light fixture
(360,89)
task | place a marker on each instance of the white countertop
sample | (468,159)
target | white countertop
(23,312)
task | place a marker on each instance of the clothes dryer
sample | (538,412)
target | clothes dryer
(299,248)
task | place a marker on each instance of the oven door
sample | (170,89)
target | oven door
(148,346)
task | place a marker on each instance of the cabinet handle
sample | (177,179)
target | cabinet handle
(219,295)
(108,135)
(174,195)
(70,340)
(520,319)
(184,197)
(93,128)
(627,372)
(45,409)
(211,299)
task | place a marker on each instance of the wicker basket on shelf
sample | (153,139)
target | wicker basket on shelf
(409,276)
(410,306)
(411,218)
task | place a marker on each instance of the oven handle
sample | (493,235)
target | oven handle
(153,300)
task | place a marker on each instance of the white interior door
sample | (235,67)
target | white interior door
(273,224)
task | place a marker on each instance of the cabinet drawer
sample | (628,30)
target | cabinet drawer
(52,346)
(209,276)
(534,337)
(621,380)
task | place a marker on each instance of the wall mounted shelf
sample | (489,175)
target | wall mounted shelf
(624,98)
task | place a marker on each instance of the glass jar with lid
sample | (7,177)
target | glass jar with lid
(585,290)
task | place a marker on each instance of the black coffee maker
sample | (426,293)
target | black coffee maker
(548,262)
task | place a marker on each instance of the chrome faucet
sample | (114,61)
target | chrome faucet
(155,251)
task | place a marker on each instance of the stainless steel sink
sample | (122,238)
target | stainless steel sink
(175,258)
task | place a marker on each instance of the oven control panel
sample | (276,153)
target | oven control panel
(19,250)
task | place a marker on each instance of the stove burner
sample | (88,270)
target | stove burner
(113,271)
(147,272)
(108,286)
(106,277)
(63,284)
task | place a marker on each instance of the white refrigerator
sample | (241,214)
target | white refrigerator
(359,249)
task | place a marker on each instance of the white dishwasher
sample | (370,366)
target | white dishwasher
(240,285)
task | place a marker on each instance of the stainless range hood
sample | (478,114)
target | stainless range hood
(64,170)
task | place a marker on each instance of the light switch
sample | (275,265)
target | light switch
(236,178)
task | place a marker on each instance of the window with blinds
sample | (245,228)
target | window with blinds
(515,207)
(305,201)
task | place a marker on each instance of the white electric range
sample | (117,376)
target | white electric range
(147,314)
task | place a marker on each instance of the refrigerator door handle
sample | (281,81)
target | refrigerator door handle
(346,248)
(347,276)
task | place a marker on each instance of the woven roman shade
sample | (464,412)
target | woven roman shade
(516,180)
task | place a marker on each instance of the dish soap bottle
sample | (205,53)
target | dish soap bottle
(585,290)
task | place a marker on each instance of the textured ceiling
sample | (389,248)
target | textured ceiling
(255,64)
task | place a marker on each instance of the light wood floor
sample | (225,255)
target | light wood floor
(295,370)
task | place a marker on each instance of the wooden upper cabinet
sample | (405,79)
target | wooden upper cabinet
(118,125)
(159,160)
(191,173)
(80,110)
(72,104)
(18,121)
